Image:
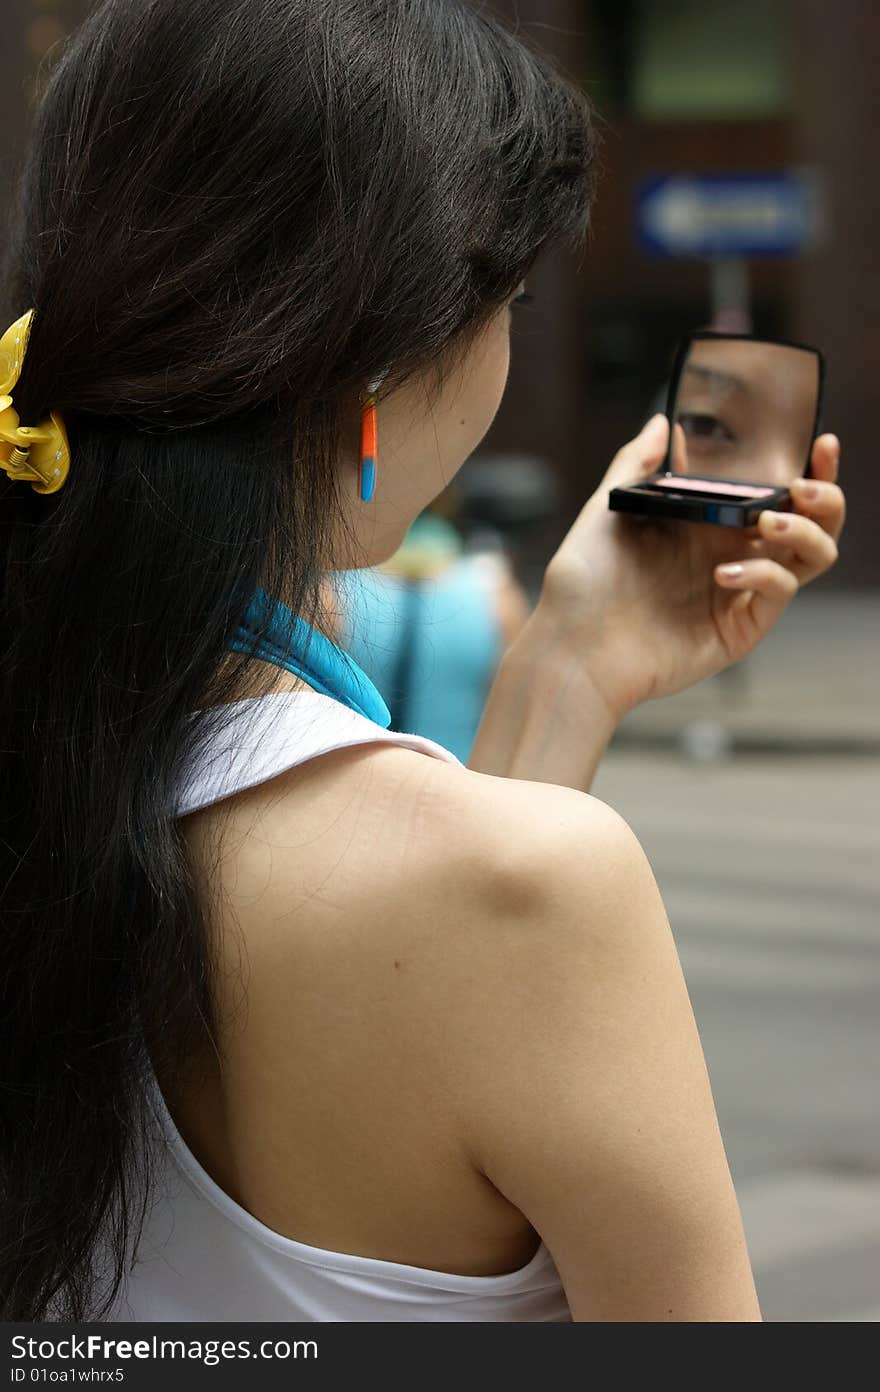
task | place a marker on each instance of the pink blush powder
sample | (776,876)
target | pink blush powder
(745,490)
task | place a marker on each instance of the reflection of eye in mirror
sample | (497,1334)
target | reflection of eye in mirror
(744,414)
(744,409)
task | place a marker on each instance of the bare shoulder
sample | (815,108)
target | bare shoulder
(403,825)
(497,950)
(497,845)
(512,835)
(583,1093)
(545,881)
(459,815)
(432,852)
(495,807)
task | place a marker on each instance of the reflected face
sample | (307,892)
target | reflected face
(747,411)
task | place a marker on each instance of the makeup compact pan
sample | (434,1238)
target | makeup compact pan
(743,415)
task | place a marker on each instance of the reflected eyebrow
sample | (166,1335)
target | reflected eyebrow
(720,379)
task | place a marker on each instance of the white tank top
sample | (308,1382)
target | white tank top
(204,1258)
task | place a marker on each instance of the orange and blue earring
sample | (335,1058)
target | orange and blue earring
(369,444)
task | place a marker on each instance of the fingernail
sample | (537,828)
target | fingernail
(809,490)
(730,572)
(780,523)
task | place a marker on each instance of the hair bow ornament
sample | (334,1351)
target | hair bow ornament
(35,454)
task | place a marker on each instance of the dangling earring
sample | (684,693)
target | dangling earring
(369,444)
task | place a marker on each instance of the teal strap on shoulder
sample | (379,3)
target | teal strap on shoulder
(296,646)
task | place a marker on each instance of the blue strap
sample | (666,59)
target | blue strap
(327,668)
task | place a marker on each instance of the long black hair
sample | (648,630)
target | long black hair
(231,216)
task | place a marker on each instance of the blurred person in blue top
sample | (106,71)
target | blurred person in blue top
(430,625)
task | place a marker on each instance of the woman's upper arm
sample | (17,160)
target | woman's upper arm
(587,1103)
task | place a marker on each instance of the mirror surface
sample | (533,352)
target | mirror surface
(745,409)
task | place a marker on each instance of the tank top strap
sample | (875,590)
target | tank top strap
(251,741)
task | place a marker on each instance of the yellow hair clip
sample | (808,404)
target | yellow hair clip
(35,454)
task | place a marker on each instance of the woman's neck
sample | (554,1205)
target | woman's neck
(283,681)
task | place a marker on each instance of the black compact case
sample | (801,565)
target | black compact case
(744,503)
(722,509)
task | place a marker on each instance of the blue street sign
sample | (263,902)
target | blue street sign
(714,215)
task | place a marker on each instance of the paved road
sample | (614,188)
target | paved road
(770,870)
(812,684)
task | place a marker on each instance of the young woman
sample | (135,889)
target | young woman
(303,1018)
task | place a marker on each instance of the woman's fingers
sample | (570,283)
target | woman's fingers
(787,550)
(799,548)
(772,588)
(825,458)
(764,576)
(825,502)
(813,549)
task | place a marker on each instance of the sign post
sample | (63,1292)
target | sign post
(728,220)
(711,215)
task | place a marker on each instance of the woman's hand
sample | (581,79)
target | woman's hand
(644,602)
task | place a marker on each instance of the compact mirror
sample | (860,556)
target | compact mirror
(744,413)
(747,410)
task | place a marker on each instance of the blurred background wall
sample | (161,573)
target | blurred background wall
(707,86)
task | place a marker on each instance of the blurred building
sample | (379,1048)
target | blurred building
(706,86)
(682,85)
